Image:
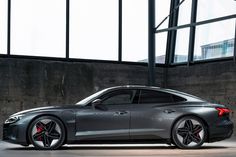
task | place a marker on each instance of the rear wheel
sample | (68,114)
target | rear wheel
(189,133)
(46,132)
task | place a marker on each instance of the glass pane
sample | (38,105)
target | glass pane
(3,26)
(185,12)
(209,9)
(94,29)
(152,97)
(181,47)
(211,42)
(162,10)
(135,30)
(118,98)
(161,40)
(38,27)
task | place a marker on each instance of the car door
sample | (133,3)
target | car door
(147,115)
(110,120)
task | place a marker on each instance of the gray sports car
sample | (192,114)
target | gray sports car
(124,114)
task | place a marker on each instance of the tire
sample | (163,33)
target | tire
(46,133)
(189,133)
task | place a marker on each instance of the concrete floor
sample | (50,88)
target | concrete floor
(225,148)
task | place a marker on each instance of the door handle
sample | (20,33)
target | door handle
(169,111)
(120,112)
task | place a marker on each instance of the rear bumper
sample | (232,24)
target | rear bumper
(222,131)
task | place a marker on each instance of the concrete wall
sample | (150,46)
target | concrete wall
(215,82)
(28,83)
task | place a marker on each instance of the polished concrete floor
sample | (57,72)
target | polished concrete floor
(225,148)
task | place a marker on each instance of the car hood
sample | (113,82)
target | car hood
(48,108)
(35,109)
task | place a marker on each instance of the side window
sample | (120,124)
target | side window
(119,97)
(149,96)
(178,99)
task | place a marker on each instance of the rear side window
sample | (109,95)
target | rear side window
(149,96)
(178,99)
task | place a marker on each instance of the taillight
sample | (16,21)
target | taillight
(222,111)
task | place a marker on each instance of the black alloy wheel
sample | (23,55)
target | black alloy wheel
(189,132)
(46,133)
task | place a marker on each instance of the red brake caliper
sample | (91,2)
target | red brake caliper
(39,130)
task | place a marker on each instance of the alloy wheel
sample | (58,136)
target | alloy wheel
(189,133)
(46,133)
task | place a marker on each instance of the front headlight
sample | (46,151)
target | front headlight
(13,119)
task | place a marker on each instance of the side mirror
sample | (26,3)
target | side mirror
(97,104)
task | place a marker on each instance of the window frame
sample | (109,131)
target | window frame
(31,53)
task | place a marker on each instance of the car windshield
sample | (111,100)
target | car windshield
(91,97)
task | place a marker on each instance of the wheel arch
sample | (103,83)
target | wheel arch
(190,115)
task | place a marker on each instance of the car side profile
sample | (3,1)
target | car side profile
(133,114)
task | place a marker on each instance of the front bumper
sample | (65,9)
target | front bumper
(15,133)
(221,131)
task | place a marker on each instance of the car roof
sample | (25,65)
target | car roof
(187,96)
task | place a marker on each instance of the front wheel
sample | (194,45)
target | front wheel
(189,133)
(46,133)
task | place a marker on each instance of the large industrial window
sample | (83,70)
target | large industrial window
(38,27)
(161,40)
(182,45)
(135,30)
(208,9)
(214,38)
(94,29)
(117,30)
(162,10)
(185,12)
(182,35)
(3,26)
(212,41)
